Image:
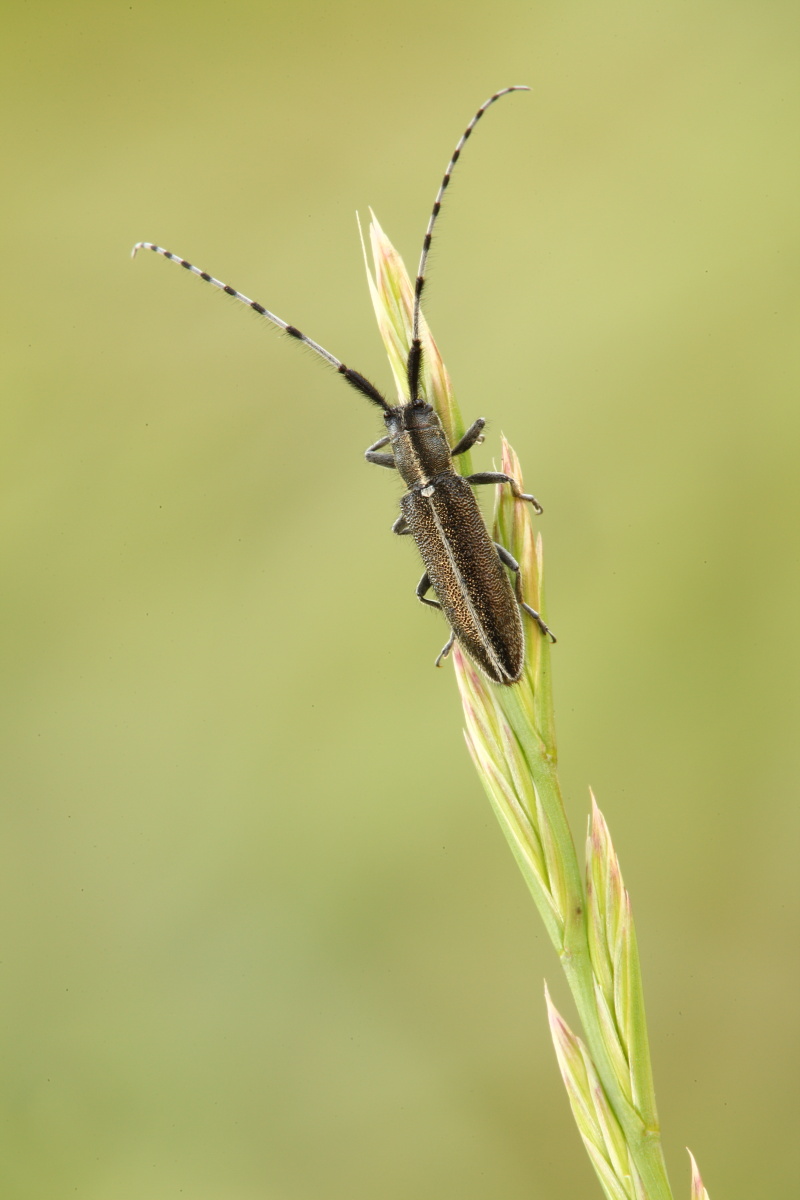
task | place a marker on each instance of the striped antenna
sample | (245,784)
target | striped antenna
(415,352)
(355,379)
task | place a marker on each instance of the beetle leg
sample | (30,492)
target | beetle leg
(509,561)
(380,460)
(445,650)
(499,477)
(400,526)
(507,558)
(533,613)
(424,586)
(469,439)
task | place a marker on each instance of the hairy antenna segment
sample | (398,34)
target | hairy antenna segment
(415,352)
(354,378)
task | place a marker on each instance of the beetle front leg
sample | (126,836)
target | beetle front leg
(424,586)
(380,460)
(499,477)
(509,561)
(474,434)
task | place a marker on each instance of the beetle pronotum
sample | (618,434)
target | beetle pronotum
(463,566)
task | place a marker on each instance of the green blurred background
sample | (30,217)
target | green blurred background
(261,938)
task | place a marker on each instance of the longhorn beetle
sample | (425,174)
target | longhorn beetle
(463,566)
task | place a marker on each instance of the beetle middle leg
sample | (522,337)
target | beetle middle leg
(500,477)
(509,561)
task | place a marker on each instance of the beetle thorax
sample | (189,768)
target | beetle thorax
(419,444)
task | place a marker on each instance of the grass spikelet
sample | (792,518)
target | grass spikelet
(615,965)
(510,732)
(597,1123)
(698,1191)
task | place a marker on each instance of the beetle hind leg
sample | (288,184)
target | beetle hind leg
(509,561)
(443,653)
(546,630)
(423,587)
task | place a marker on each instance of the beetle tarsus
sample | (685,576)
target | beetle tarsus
(546,630)
(445,650)
(509,561)
(471,438)
(501,477)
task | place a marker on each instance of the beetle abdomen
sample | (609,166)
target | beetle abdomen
(466,574)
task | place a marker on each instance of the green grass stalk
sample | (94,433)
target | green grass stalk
(510,732)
